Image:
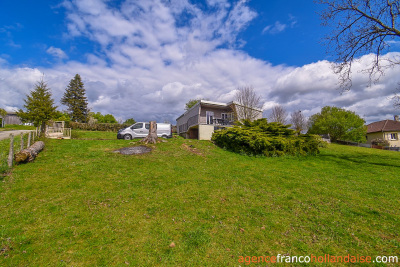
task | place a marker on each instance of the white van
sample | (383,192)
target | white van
(141,130)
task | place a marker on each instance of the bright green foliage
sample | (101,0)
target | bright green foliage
(130,121)
(39,106)
(339,123)
(76,101)
(262,138)
(108,118)
(191,103)
(62,116)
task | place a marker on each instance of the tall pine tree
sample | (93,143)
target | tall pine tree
(76,101)
(39,106)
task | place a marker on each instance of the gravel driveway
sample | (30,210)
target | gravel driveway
(6,134)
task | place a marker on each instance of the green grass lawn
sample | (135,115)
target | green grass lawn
(10,127)
(80,204)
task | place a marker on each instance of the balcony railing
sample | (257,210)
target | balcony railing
(193,120)
(221,122)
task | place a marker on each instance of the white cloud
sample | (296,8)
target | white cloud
(151,64)
(56,52)
(277,27)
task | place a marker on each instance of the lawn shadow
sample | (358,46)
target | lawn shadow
(361,159)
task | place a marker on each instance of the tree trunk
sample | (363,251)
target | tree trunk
(29,154)
(152,136)
(43,129)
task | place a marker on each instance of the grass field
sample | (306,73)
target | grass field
(10,127)
(80,204)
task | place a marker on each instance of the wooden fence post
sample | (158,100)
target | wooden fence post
(29,139)
(11,152)
(22,142)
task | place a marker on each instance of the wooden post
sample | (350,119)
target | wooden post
(29,139)
(11,152)
(22,142)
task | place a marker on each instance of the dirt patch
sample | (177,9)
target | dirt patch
(192,149)
(134,150)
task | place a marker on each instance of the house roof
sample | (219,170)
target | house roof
(384,126)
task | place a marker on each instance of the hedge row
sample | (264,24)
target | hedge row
(109,127)
(268,139)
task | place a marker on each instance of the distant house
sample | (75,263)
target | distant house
(386,130)
(201,120)
(12,118)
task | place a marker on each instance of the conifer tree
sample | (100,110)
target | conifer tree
(76,101)
(39,106)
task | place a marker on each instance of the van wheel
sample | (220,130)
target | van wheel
(164,136)
(128,137)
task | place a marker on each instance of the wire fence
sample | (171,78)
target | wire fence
(12,145)
(349,143)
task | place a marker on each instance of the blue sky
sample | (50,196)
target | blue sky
(146,58)
(292,36)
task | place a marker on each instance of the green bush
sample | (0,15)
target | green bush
(108,127)
(380,142)
(268,139)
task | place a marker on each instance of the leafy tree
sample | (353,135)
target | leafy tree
(191,103)
(130,121)
(39,106)
(3,114)
(100,118)
(248,103)
(76,101)
(361,27)
(339,123)
(108,118)
(62,116)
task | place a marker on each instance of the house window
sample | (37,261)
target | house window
(227,116)
(210,117)
(393,136)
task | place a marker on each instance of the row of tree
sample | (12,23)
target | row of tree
(40,107)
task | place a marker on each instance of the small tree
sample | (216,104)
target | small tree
(130,121)
(76,101)
(3,114)
(100,118)
(247,104)
(39,106)
(278,114)
(191,103)
(339,123)
(298,121)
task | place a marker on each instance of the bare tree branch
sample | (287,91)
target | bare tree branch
(278,114)
(248,103)
(361,27)
(298,121)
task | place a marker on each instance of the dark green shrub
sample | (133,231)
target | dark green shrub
(268,139)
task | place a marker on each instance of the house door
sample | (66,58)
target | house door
(210,117)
